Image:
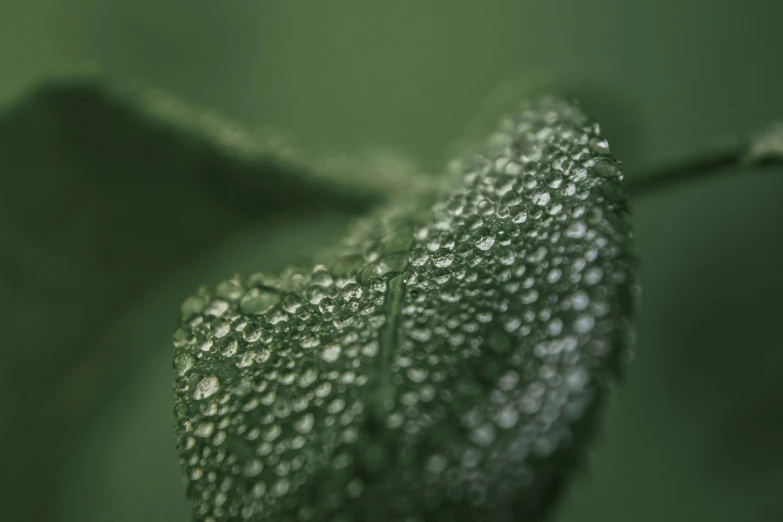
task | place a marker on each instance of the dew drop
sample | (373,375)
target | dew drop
(593,275)
(231,290)
(204,429)
(351,292)
(507,418)
(331,353)
(584,323)
(257,301)
(417,374)
(253,468)
(485,243)
(541,198)
(576,230)
(183,363)
(207,387)
(305,423)
(228,347)
(483,435)
(436,464)
(599,145)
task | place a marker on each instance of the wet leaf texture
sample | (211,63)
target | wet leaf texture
(445,363)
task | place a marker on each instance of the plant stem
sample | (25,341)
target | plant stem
(689,170)
(764,150)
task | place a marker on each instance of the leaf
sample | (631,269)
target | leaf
(108,191)
(446,362)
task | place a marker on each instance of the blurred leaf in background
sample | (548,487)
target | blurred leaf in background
(104,204)
(106,229)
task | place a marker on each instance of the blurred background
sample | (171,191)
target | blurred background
(695,429)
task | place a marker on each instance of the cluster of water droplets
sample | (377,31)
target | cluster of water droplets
(434,361)
(516,299)
(271,381)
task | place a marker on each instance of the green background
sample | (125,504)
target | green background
(696,427)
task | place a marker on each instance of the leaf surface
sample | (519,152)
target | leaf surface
(446,362)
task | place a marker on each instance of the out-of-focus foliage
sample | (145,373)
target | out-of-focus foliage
(105,199)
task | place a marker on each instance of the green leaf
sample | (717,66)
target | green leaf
(108,191)
(445,362)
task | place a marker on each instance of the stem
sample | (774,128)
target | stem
(764,150)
